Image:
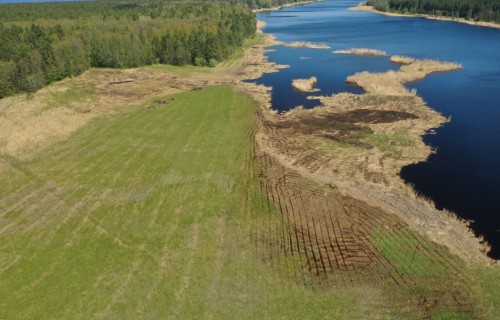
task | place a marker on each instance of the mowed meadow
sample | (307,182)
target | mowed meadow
(147,214)
(168,208)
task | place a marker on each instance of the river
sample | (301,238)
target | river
(464,174)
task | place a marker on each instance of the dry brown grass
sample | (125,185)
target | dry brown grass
(260,25)
(30,124)
(362,52)
(309,45)
(305,85)
(402,59)
(392,82)
(359,143)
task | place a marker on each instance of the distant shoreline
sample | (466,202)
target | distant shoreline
(362,7)
(286,5)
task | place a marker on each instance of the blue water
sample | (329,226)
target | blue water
(464,175)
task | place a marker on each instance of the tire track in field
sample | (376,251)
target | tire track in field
(335,236)
(192,245)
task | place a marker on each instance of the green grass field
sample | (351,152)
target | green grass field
(148,214)
(145,214)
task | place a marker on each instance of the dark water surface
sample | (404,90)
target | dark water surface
(464,175)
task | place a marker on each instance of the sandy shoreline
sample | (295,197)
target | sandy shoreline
(363,7)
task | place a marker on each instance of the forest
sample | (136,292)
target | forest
(46,42)
(477,10)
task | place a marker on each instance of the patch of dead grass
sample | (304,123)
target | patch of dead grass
(392,82)
(402,59)
(359,143)
(305,85)
(362,52)
(309,45)
(30,124)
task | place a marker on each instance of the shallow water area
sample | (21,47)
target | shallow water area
(464,175)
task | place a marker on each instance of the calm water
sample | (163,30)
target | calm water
(464,175)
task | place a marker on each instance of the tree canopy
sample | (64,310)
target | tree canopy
(42,43)
(479,10)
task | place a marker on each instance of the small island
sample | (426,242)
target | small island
(305,85)
(402,59)
(392,82)
(362,52)
(309,45)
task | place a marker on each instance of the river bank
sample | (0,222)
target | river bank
(287,5)
(362,7)
(362,155)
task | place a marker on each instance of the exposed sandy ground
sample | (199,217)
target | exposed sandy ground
(362,52)
(363,7)
(305,85)
(309,45)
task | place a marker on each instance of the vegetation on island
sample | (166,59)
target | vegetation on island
(42,43)
(265,4)
(478,10)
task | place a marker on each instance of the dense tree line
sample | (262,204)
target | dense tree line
(257,4)
(479,10)
(42,43)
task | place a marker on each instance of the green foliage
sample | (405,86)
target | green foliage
(486,278)
(64,39)
(212,63)
(391,143)
(483,10)
(255,4)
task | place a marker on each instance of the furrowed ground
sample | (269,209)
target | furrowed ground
(158,203)
(145,214)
